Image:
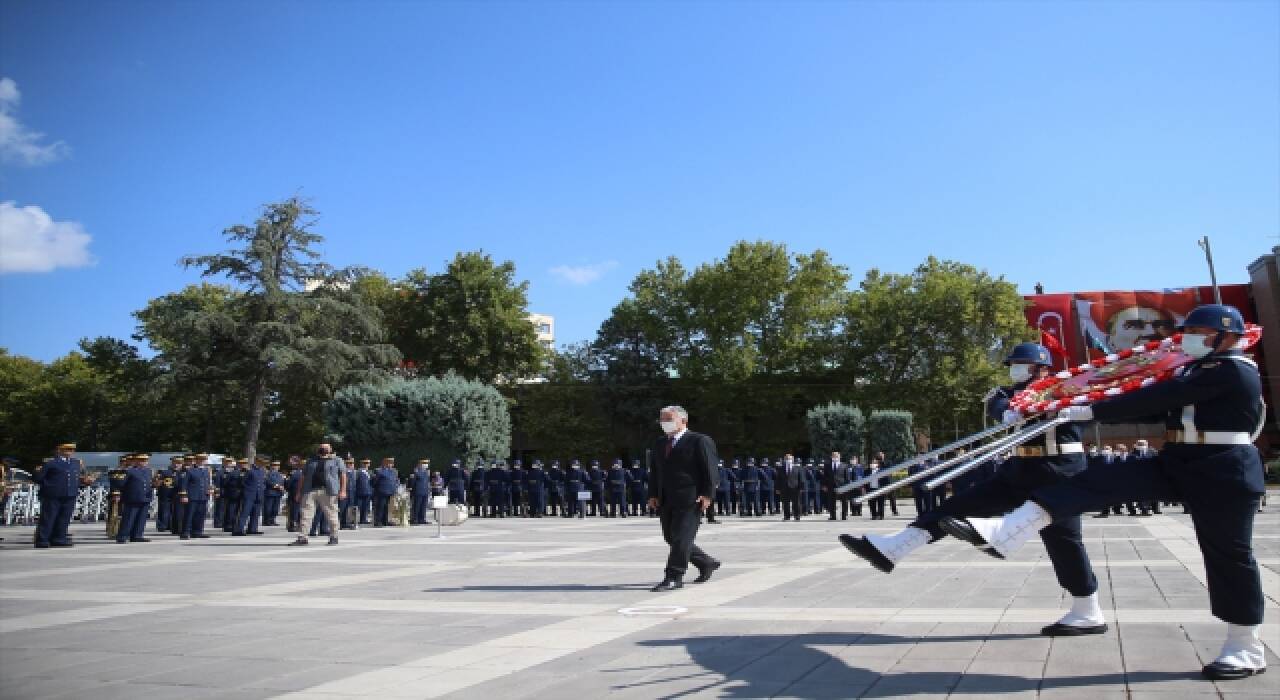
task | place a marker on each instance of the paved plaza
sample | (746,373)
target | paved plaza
(556,608)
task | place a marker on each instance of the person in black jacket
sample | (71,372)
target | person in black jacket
(790,486)
(682,484)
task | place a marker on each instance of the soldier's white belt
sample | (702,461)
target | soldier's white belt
(1066,448)
(1207,437)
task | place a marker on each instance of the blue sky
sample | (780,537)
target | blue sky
(1083,145)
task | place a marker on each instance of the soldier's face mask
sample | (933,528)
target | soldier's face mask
(1019,372)
(1196,345)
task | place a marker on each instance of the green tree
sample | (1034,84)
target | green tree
(472,319)
(437,418)
(836,427)
(890,432)
(302,321)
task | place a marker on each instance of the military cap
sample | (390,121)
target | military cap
(275,462)
(366,460)
(142,455)
(424,461)
(175,459)
(242,460)
(199,455)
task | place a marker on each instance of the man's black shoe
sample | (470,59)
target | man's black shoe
(1058,629)
(141,539)
(832,518)
(1218,671)
(333,540)
(862,548)
(668,584)
(42,545)
(61,544)
(704,575)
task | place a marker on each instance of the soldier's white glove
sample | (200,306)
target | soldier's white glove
(1077,414)
(1010,417)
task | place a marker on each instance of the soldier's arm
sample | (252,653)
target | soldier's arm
(1165,396)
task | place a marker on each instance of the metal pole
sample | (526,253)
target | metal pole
(1213,276)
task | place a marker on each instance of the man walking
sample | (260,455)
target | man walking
(681,486)
(323,482)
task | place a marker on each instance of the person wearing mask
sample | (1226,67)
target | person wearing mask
(681,485)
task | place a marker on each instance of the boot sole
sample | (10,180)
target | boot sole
(866,551)
(1215,672)
(1060,630)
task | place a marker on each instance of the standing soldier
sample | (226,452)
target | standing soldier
(456,482)
(194,494)
(499,498)
(639,489)
(178,509)
(232,492)
(59,482)
(252,488)
(750,489)
(555,492)
(419,486)
(618,481)
(515,489)
(219,501)
(274,493)
(478,489)
(722,490)
(535,486)
(768,496)
(364,490)
(596,478)
(163,485)
(137,500)
(291,491)
(385,482)
(575,481)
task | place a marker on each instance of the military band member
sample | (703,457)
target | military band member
(232,491)
(575,483)
(1213,409)
(385,483)
(555,494)
(178,507)
(639,489)
(617,480)
(479,492)
(197,489)
(137,500)
(455,481)
(536,482)
(253,484)
(419,487)
(59,482)
(164,490)
(595,482)
(273,495)
(497,480)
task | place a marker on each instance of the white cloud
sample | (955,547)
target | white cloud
(31,241)
(18,144)
(583,274)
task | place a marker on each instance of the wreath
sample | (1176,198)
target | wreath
(1118,373)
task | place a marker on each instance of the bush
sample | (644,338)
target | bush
(409,419)
(835,427)
(890,432)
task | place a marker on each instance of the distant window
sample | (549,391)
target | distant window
(544,328)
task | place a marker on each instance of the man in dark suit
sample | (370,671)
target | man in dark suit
(790,486)
(682,484)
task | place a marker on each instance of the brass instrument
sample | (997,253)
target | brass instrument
(114,516)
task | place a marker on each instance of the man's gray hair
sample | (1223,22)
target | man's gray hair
(678,411)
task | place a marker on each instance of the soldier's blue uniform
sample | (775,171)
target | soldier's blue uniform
(164,498)
(722,490)
(59,481)
(198,484)
(456,482)
(1208,462)
(618,480)
(735,487)
(385,482)
(639,489)
(232,493)
(575,483)
(595,482)
(536,482)
(220,498)
(364,491)
(136,496)
(751,489)
(273,495)
(768,495)
(555,488)
(419,486)
(178,511)
(515,489)
(478,489)
(252,492)
(498,480)
(813,490)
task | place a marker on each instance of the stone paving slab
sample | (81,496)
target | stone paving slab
(515,608)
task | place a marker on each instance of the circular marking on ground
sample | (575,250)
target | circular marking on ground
(655,610)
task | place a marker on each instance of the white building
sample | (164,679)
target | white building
(546,327)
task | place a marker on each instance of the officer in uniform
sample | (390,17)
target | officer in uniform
(137,500)
(536,482)
(555,478)
(515,489)
(1213,411)
(385,483)
(750,489)
(233,492)
(178,507)
(164,488)
(735,487)
(618,479)
(478,489)
(768,494)
(1055,457)
(575,483)
(252,492)
(364,490)
(596,479)
(194,493)
(722,490)
(419,486)
(274,492)
(499,498)
(219,493)
(639,488)
(456,481)
(59,482)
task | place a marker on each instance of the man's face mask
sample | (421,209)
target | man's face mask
(1020,373)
